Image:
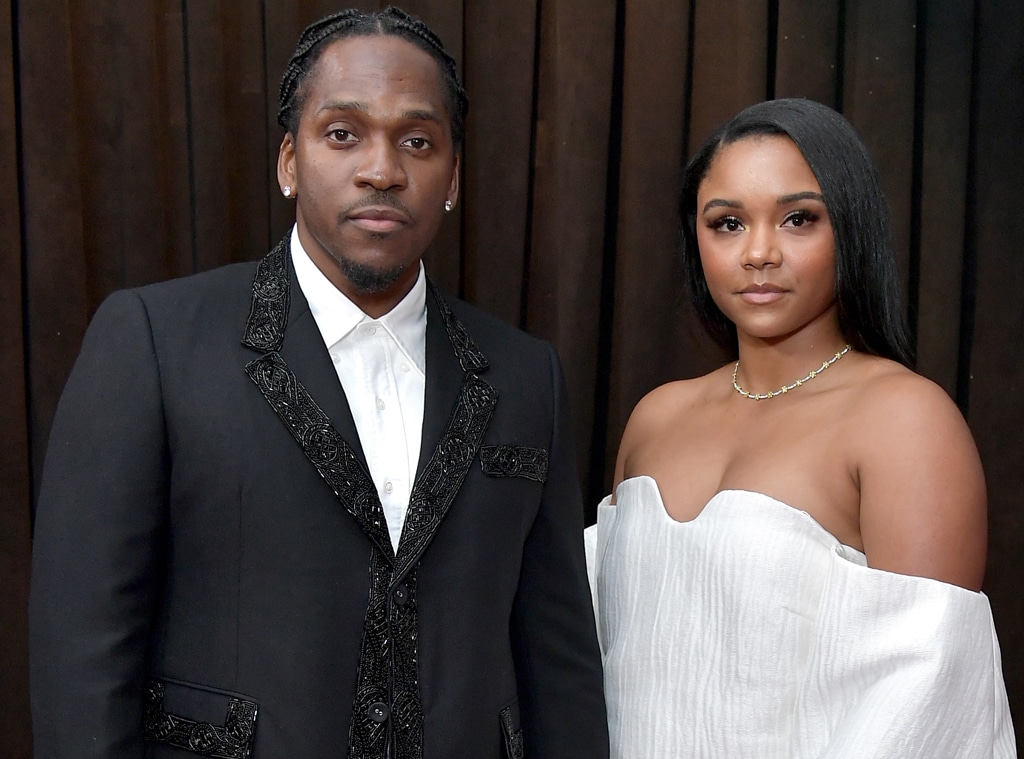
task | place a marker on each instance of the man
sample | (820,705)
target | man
(312,507)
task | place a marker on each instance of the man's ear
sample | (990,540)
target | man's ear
(286,166)
(453,188)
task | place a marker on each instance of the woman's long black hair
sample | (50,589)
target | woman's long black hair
(871,315)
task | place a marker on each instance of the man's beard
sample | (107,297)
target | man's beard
(366,279)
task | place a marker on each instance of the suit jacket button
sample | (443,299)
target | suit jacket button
(401,595)
(378,712)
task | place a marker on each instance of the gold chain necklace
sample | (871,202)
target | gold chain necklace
(786,388)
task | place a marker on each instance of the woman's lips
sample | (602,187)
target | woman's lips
(760,295)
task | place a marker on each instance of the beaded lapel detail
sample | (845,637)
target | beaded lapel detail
(386,710)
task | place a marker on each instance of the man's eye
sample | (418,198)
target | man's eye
(417,143)
(340,135)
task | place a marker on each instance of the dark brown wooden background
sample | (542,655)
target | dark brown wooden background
(137,142)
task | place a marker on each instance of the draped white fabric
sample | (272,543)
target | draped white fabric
(752,632)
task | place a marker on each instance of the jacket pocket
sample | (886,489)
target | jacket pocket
(514,461)
(511,732)
(201,720)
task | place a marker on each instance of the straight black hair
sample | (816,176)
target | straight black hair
(871,315)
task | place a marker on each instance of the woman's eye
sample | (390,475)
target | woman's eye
(727,224)
(799,219)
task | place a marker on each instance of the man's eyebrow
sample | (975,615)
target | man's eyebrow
(344,105)
(797,196)
(721,203)
(416,114)
(428,114)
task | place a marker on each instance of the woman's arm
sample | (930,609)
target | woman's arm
(922,504)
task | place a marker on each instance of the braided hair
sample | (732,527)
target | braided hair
(392,22)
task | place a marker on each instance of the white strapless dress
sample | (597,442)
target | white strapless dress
(752,632)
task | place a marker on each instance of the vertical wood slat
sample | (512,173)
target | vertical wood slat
(125,240)
(225,104)
(878,99)
(653,340)
(730,53)
(15,478)
(807,50)
(172,153)
(52,114)
(569,192)
(496,172)
(996,412)
(947,96)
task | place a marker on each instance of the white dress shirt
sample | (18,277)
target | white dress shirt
(381,365)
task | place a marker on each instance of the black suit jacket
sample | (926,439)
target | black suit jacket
(211,572)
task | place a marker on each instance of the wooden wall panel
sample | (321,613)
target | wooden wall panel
(878,98)
(942,190)
(574,118)
(15,479)
(730,56)
(54,114)
(996,411)
(653,335)
(807,50)
(496,173)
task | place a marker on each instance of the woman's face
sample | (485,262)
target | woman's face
(766,241)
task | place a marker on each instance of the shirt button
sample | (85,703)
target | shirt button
(405,367)
(378,712)
(389,488)
(380,403)
(371,330)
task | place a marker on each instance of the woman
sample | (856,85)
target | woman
(791,563)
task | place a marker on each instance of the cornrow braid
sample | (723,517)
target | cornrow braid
(392,22)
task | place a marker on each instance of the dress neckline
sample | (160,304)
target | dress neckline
(647,481)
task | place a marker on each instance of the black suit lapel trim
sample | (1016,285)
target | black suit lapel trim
(271,300)
(387,677)
(442,472)
(337,462)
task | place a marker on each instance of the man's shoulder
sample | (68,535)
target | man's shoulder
(211,301)
(222,282)
(488,330)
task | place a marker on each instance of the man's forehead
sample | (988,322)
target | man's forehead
(386,55)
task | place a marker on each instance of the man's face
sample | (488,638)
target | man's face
(372,166)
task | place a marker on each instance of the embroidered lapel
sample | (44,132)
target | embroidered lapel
(387,714)
(327,450)
(441,475)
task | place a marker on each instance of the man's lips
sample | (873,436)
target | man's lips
(379,219)
(761,294)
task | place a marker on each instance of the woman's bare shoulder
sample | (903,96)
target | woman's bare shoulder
(922,504)
(667,402)
(889,399)
(660,412)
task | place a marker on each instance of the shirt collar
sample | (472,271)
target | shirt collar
(336,316)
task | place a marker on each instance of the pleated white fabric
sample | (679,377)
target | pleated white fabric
(752,632)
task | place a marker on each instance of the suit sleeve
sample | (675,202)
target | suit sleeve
(558,661)
(98,543)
